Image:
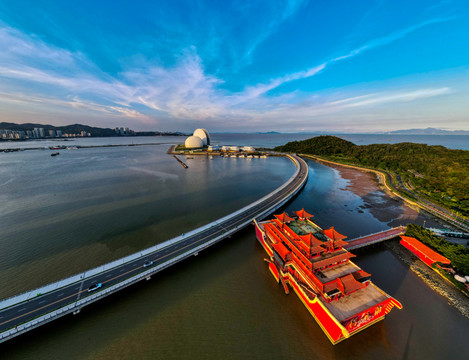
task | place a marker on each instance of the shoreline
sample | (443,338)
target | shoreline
(78,147)
(435,281)
(393,192)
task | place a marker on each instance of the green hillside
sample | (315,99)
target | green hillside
(436,172)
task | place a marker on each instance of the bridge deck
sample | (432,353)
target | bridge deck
(375,238)
(27,311)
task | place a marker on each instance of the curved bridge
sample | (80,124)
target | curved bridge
(30,310)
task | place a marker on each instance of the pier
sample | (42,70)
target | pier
(375,238)
(27,311)
(180,162)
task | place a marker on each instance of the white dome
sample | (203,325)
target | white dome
(204,135)
(193,142)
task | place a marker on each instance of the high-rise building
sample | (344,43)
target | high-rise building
(52,133)
(12,134)
(59,133)
(39,132)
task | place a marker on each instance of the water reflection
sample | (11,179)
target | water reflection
(224,303)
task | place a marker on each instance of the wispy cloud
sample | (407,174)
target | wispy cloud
(380,98)
(284,11)
(182,92)
(261,89)
(390,38)
(75,103)
(264,88)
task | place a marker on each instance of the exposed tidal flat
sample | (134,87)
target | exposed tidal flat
(223,303)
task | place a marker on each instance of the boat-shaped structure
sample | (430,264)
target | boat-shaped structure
(314,263)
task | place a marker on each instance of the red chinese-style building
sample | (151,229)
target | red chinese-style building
(423,252)
(313,262)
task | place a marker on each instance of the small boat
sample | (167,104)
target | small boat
(55,154)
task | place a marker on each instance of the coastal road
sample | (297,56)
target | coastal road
(41,304)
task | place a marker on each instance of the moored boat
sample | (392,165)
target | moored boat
(314,263)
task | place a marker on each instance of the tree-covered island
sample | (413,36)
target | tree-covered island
(418,171)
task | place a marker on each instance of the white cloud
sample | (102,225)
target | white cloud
(75,103)
(183,93)
(390,38)
(372,99)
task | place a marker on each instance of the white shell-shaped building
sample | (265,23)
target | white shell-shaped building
(193,142)
(204,135)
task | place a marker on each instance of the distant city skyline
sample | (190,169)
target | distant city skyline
(286,66)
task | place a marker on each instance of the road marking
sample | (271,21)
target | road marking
(108,276)
(23,309)
(233,227)
(60,294)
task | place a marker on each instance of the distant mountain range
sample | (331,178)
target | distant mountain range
(77,128)
(428,131)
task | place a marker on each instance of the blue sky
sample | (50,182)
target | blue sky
(341,66)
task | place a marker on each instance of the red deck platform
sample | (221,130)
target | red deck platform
(315,264)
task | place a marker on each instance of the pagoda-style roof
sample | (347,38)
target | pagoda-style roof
(339,243)
(284,217)
(302,214)
(332,260)
(284,253)
(311,240)
(350,284)
(360,274)
(334,235)
(316,249)
(278,223)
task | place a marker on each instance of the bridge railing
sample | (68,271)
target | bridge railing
(400,227)
(89,273)
(77,305)
(386,235)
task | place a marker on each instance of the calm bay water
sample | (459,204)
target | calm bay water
(260,140)
(271,140)
(65,214)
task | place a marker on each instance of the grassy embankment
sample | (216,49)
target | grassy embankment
(423,175)
(458,254)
